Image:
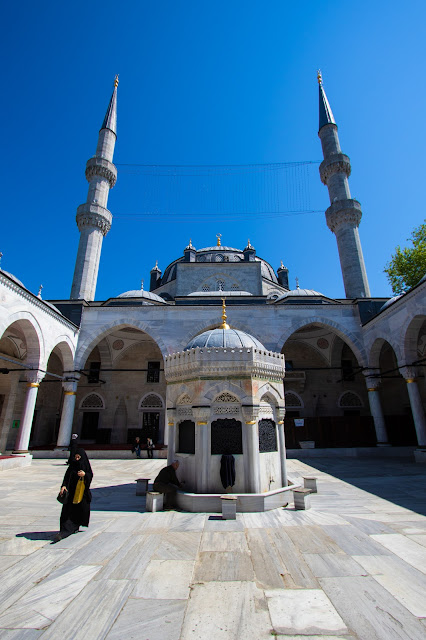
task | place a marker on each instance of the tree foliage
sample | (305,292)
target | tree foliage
(408,265)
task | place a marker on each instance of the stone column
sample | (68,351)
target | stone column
(67,416)
(251,449)
(417,410)
(202,448)
(376,409)
(23,438)
(8,410)
(171,435)
(281,438)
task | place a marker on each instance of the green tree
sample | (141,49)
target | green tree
(408,265)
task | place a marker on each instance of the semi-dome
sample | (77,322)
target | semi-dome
(140,293)
(227,338)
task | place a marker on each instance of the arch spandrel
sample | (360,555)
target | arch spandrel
(90,340)
(348,337)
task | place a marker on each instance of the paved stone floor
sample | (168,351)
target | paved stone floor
(353,566)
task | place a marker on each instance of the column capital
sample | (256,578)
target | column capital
(70,385)
(171,416)
(250,414)
(409,373)
(371,379)
(34,377)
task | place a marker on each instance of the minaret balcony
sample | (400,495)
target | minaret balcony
(336,163)
(343,212)
(102,168)
(95,216)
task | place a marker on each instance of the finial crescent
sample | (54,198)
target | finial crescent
(116,80)
(218,236)
(319,76)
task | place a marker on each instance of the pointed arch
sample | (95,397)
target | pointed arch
(353,341)
(293,400)
(92,339)
(92,400)
(29,326)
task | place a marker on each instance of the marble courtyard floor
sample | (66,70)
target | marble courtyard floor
(353,566)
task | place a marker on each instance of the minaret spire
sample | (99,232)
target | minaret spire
(93,218)
(344,213)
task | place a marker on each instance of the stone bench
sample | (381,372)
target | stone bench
(302,498)
(141,486)
(154,501)
(310,482)
(229,507)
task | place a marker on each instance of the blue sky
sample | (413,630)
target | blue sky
(208,83)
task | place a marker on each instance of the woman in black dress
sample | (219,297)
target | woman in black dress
(76,511)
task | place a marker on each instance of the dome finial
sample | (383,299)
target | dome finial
(297,283)
(141,285)
(39,291)
(218,236)
(116,80)
(319,76)
(224,325)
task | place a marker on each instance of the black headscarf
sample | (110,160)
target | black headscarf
(71,475)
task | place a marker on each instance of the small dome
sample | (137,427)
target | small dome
(300,293)
(391,301)
(14,278)
(229,338)
(140,293)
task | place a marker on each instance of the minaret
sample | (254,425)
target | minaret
(93,218)
(344,214)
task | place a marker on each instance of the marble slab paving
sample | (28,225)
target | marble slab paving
(20,577)
(8,561)
(353,541)
(270,571)
(178,546)
(329,565)
(209,614)
(419,538)
(149,619)
(223,566)
(188,522)
(306,611)
(405,583)
(99,550)
(403,547)
(130,560)
(369,611)
(224,541)
(78,622)
(46,600)
(165,579)
(20,634)
(297,573)
(312,539)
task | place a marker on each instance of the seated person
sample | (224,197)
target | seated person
(167,482)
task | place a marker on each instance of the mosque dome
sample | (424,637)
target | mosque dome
(227,338)
(140,293)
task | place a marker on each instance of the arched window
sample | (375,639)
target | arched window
(151,401)
(350,400)
(205,287)
(293,400)
(92,401)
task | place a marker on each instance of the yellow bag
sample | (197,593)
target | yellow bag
(79,492)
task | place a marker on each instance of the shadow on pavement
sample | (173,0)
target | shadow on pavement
(402,483)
